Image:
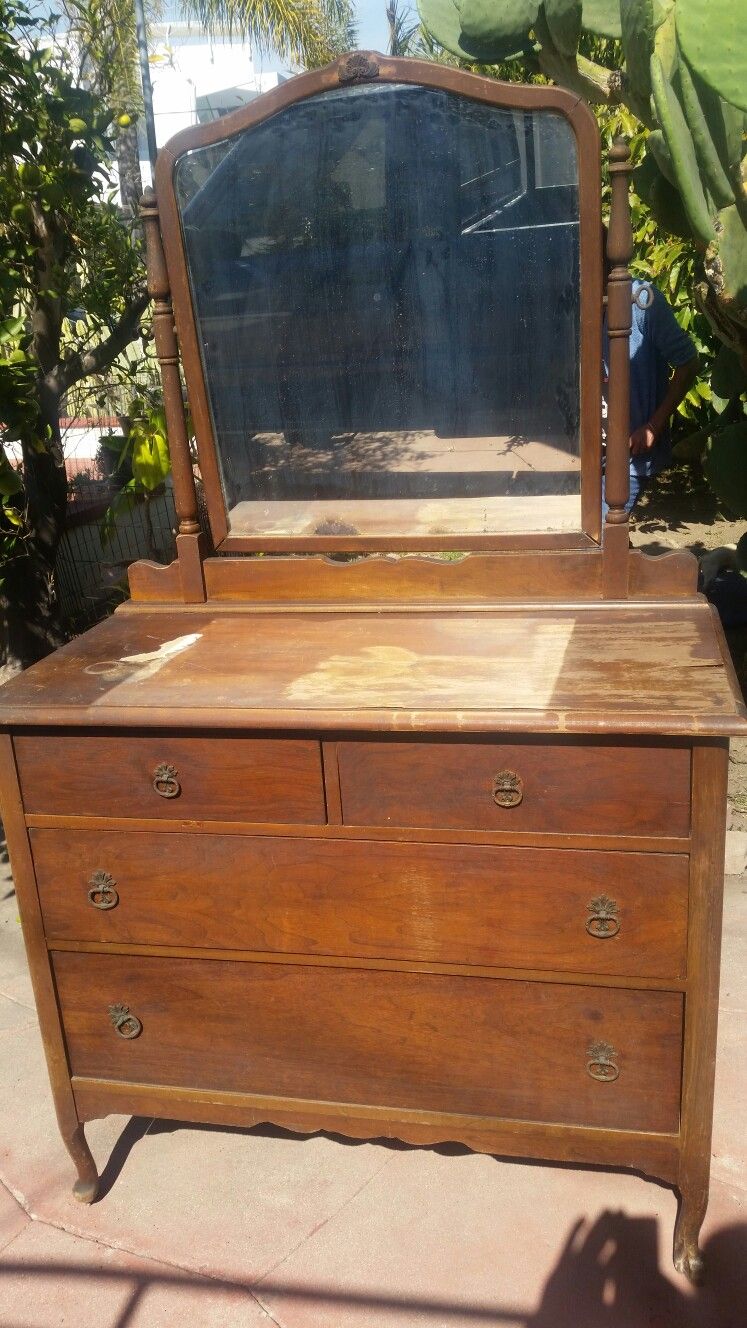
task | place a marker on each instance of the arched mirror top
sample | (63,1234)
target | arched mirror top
(386,279)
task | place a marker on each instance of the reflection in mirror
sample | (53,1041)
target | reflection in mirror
(386,289)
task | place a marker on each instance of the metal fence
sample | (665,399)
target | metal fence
(92,568)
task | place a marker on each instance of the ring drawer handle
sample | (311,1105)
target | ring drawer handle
(126,1025)
(165,781)
(604,917)
(601,1062)
(508,788)
(102,891)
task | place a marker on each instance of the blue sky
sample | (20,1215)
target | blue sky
(372,25)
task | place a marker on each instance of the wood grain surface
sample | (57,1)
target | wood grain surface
(653,668)
(460,905)
(440,1043)
(608,788)
(654,1154)
(248,778)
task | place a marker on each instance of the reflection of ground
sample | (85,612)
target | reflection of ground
(417,450)
(405,482)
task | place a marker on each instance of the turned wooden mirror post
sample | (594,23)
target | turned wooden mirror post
(189,541)
(619,286)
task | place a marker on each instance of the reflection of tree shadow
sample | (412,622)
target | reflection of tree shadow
(312,465)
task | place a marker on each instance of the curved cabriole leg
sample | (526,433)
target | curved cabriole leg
(86,1187)
(688,1259)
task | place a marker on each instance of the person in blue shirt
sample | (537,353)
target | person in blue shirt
(663,367)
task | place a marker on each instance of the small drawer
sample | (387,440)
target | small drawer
(174,778)
(555,787)
(574,910)
(481,1046)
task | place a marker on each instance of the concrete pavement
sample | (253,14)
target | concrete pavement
(207,1226)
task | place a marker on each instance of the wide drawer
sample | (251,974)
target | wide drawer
(623,913)
(556,787)
(529,1051)
(174,778)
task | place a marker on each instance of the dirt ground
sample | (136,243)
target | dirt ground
(681,512)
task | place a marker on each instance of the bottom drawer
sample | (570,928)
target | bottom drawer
(480,1046)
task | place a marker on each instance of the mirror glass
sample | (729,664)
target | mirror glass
(385,281)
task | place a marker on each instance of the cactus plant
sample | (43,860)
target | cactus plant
(661,197)
(684,78)
(443,21)
(602,17)
(638,25)
(714,175)
(564,24)
(725,469)
(483,21)
(681,151)
(713,37)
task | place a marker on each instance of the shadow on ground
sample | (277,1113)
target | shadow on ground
(607,1276)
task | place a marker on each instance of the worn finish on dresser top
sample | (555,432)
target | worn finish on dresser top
(401,846)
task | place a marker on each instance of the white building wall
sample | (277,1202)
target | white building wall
(197,79)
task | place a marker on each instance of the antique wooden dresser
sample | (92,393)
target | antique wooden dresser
(414,825)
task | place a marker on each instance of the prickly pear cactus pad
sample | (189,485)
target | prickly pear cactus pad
(726,264)
(442,19)
(485,21)
(681,151)
(638,27)
(602,17)
(725,469)
(564,24)
(713,36)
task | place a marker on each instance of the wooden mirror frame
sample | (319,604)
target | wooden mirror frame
(347,71)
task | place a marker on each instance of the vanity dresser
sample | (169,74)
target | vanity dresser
(412,826)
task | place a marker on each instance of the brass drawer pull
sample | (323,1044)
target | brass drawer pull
(508,788)
(102,892)
(165,781)
(126,1025)
(604,917)
(601,1063)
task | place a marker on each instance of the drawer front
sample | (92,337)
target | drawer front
(553,787)
(481,1046)
(165,777)
(623,913)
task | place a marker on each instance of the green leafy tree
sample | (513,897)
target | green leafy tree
(66,115)
(64,249)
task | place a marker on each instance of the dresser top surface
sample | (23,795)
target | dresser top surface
(657,668)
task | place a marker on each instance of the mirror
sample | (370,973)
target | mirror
(385,283)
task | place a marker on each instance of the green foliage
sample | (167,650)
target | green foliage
(602,17)
(564,24)
(725,468)
(146,452)
(638,26)
(442,20)
(715,179)
(64,248)
(728,377)
(309,33)
(680,68)
(681,152)
(485,22)
(713,37)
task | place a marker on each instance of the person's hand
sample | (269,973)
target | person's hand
(643,439)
